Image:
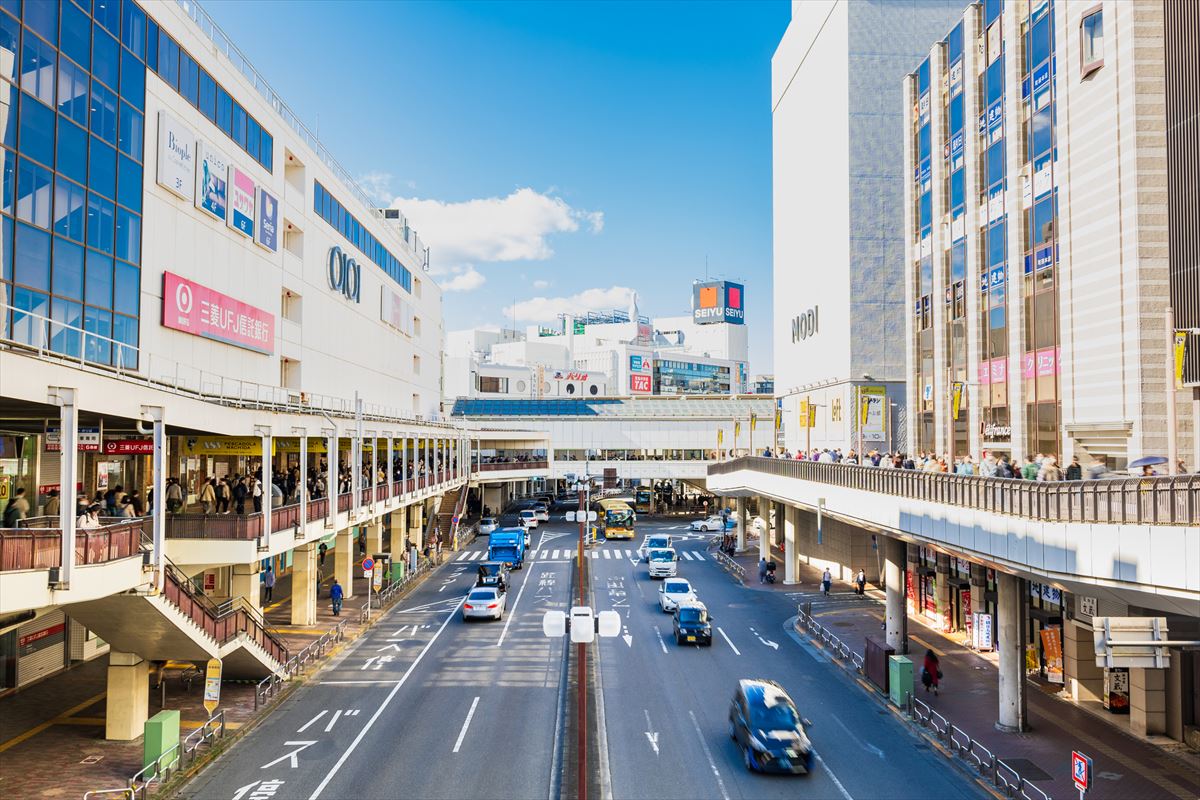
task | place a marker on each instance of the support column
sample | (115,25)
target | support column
(942,591)
(245,583)
(416,528)
(1147,701)
(374,537)
(305,575)
(331,478)
(895,554)
(268,470)
(1084,680)
(739,510)
(791,519)
(764,536)
(128,703)
(1010,625)
(68,429)
(343,561)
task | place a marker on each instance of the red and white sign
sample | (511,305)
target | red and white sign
(129,447)
(639,383)
(200,311)
(46,488)
(570,376)
(87,440)
(1081,771)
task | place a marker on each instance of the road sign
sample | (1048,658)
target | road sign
(454,519)
(1081,771)
(212,685)
(368,564)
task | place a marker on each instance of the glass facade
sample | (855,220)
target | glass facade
(345,223)
(684,377)
(72,101)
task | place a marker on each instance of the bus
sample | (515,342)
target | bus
(618,519)
(642,497)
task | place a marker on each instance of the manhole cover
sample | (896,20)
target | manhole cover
(91,760)
(1028,770)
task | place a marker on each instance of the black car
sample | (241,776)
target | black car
(492,573)
(764,723)
(693,624)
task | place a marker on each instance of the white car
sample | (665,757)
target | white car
(713,523)
(663,563)
(484,602)
(674,591)
(529,517)
(542,512)
(652,542)
(487,525)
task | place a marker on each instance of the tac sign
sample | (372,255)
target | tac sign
(212,685)
(1081,771)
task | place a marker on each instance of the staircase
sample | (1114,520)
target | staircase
(453,504)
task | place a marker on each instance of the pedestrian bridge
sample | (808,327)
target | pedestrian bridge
(1138,534)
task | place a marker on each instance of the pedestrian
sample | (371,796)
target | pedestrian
(335,595)
(269,582)
(208,496)
(860,581)
(17,509)
(931,672)
(52,505)
(257,493)
(90,517)
(826,581)
(127,509)
(762,570)
(224,495)
(1029,470)
(174,496)
(239,496)
(1074,470)
(1049,471)
(321,553)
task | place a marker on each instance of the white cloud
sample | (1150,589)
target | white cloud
(547,309)
(465,279)
(512,228)
(540,284)
(377,185)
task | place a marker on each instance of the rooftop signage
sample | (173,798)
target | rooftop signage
(718,301)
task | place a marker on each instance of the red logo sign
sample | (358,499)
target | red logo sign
(124,447)
(733,297)
(639,383)
(200,311)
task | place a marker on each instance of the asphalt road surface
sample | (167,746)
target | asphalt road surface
(426,706)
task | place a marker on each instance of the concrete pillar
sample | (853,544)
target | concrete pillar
(1084,680)
(1173,676)
(304,585)
(1147,701)
(1010,625)
(895,554)
(416,526)
(789,519)
(374,537)
(343,561)
(246,583)
(128,701)
(739,509)
(764,534)
(399,531)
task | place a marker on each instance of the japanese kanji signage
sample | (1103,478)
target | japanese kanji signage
(200,311)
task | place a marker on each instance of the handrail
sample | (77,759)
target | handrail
(729,565)
(36,547)
(1165,500)
(269,686)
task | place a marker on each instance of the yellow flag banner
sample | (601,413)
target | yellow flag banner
(737,430)
(1180,352)
(753,422)
(720,437)
(805,414)
(956,393)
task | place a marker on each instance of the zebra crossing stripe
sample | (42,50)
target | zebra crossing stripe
(607,554)
(555,556)
(475,556)
(595,554)
(465,555)
(686,554)
(698,557)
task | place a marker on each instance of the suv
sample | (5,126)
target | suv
(764,723)
(673,592)
(692,623)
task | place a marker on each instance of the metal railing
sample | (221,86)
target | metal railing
(835,645)
(204,736)
(512,465)
(390,593)
(1169,500)
(729,565)
(35,547)
(270,686)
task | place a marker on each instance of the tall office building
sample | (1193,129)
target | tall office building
(1036,210)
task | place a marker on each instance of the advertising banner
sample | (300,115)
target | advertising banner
(395,311)
(129,447)
(176,157)
(87,439)
(241,202)
(266,229)
(1047,362)
(200,311)
(874,403)
(1053,652)
(30,643)
(640,363)
(981,631)
(222,446)
(212,170)
(639,383)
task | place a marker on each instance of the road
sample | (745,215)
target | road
(425,706)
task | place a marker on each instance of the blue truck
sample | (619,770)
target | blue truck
(507,545)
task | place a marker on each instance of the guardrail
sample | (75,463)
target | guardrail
(388,594)
(956,741)
(31,547)
(269,686)
(498,466)
(179,756)
(729,565)
(1172,500)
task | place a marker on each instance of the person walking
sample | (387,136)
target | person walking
(1049,470)
(52,505)
(860,581)
(224,495)
(90,518)
(17,509)
(826,582)
(762,570)
(256,492)
(1074,470)
(931,672)
(239,496)
(335,596)
(269,582)
(174,496)
(208,496)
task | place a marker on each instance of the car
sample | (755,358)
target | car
(529,517)
(492,573)
(654,540)
(484,602)
(542,512)
(765,725)
(672,592)
(692,624)
(487,525)
(713,523)
(663,563)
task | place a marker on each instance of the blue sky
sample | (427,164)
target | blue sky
(554,155)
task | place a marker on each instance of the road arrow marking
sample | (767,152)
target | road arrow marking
(628,639)
(767,642)
(651,735)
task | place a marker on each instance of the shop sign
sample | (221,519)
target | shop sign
(241,202)
(1052,651)
(345,274)
(999,370)
(1116,690)
(981,631)
(192,308)
(993,431)
(266,228)
(639,363)
(1028,361)
(718,301)
(1087,605)
(87,439)
(1046,592)
(570,376)
(129,447)
(1047,362)
(212,685)
(639,383)
(964,601)
(806,324)
(46,488)
(5,487)
(39,640)
(223,445)
(176,156)
(212,188)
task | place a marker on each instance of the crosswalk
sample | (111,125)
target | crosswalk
(551,554)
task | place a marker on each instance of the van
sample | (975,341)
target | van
(664,563)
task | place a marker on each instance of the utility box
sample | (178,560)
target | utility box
(875,662)
(900,680)
(162,734)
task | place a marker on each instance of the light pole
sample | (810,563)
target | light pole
(583,631)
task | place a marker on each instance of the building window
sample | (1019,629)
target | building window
(1091,42)
(416,365)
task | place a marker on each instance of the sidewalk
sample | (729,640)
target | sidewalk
(52,734)
(1124,765)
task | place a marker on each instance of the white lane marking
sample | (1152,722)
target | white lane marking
(596,554)
(336,715)
(293,762)
(357,683)
(382,706)
(556,552)
(651,734)
(462,734)
(306,725)
(767,642)
(712,764)
(509,614)
(661,643)
(464,555)
(686,554)
(698,557)
(726,638)
(440,588)
(866,745)
(833,777)
(607,554)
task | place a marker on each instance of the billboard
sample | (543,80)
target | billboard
(241,202)
(200,311)
(266,228)
(211,176)
(176,156)
(718,301)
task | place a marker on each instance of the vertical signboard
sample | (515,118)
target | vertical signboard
(874,401)
(176,156)
(266,228)
(241,202)
(212,170)
(212,685)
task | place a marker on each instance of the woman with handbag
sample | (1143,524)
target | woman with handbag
(931,673)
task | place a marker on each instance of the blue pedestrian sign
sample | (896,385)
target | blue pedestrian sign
(1081,771)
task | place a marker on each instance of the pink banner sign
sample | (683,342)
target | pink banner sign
(985,373)
(1047,362)
(999,370)
(200,311)
(1028,360)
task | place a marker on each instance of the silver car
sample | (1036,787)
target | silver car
(484,602)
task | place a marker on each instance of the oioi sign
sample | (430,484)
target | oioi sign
(345,274)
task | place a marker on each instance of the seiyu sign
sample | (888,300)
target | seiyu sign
(345,274)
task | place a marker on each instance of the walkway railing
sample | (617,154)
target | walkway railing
(41,548)
(1159,501)
(511,465)
(269,686)
(729,565)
